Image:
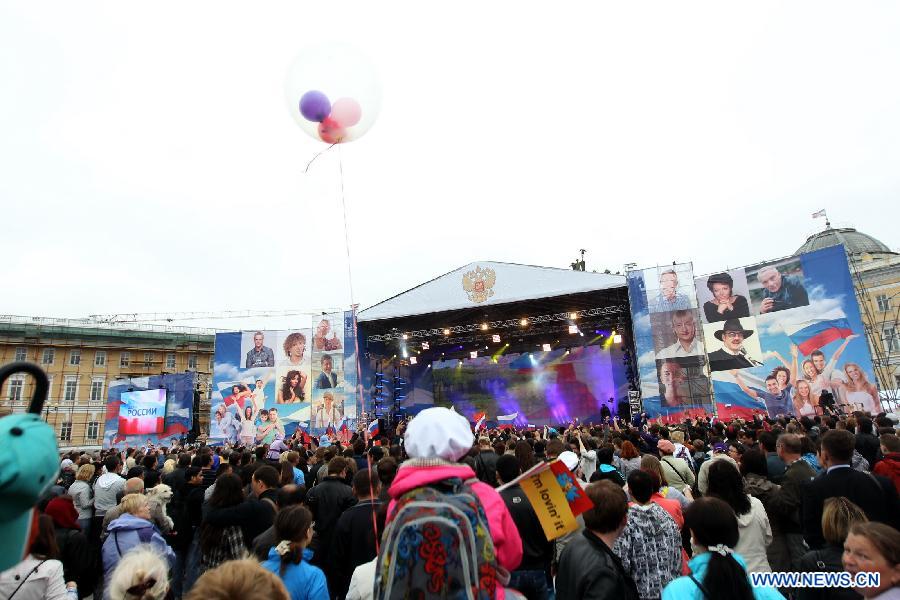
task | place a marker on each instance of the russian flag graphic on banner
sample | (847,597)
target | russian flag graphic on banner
(479,420)
(814,334)
(373,428)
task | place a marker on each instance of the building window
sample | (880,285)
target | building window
(93,430)
(897,380)
(192,361)
(148,359)
(65,431)
(75,357)
(21,353)
(884,303)
(16,388)
(212,363)
(97,389)
(48,356)
(890,339)
(100,358)
(124,359)
(170,360)
(70,391)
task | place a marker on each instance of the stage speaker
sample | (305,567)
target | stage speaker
(624,410)
(195,417)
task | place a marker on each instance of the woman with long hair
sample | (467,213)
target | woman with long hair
(651,463)
(838,516)
(218,544)
(289,558)
(755,533)
(40,574)
(717,569)
(858,390)
(629,459)
(804,401)
(525,455)
(83,496)
(248,427)
(291,389)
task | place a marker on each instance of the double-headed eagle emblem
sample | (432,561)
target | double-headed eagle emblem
(479,284)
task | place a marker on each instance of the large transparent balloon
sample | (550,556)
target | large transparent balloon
(333,92)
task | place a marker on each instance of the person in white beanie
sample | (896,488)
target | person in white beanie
(434,440)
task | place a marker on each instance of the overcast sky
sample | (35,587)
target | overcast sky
(148,161)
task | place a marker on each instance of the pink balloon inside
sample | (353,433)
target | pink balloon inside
(346,111)
(331,132)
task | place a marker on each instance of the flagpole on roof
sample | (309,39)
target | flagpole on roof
(822,213)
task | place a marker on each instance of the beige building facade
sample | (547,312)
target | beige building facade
(82,358)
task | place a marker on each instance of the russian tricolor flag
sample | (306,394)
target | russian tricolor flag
(817,333)
(479,420)
(373,428)
(507,420)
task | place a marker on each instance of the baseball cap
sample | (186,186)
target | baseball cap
(29,465)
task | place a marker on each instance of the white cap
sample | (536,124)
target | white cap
(569,458)
(438,433)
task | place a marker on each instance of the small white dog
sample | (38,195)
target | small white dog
(158,497)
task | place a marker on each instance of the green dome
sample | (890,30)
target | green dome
(854,241)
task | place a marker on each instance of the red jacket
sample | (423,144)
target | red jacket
(889,467)
(507,542)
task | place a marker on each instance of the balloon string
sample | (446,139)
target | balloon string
(309,164)
(346,226)
(359,387)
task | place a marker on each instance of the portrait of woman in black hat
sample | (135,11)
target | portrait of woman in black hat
(725,304)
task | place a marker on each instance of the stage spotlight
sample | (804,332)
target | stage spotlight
(573,328)
(484,326)
(405,337)
(495,338)
(547,347)
(617,339)
(425,346)
(446,332)
(405,353)
(524,322)
(413,360)
(473,354)
(573,316)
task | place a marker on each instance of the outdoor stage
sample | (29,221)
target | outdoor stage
(480,340)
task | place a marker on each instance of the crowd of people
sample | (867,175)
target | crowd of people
(683,510)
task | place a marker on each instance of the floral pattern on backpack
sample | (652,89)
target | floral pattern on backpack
(438,544)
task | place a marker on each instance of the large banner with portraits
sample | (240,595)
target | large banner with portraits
(669,343)
(785,337)
(267,383)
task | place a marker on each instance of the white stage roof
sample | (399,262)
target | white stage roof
(486,283)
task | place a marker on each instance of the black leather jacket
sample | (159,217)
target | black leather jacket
(588,570)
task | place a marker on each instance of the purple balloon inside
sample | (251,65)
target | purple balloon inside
(314,106)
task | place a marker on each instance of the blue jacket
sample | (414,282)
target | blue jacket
(685,589)
(130,531)
(303,581)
